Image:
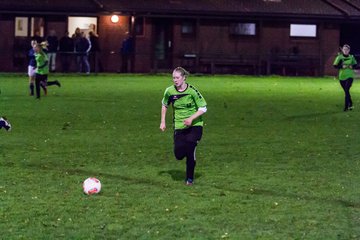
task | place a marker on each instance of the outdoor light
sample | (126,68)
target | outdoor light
(114,18)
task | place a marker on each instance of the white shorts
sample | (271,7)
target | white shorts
(31,71)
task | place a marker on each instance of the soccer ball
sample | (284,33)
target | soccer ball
(91,186)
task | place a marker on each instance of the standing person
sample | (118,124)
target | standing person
(82,48)
(126,51)
(53,42)
(77,34)
(346,62)
(66,49)
(4,123)
(94,52)
(37,37)
(42,70)
(32,67)
(189,106)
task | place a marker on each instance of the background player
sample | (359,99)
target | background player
(42,70)
(32,67)
(4,123)
(346,63)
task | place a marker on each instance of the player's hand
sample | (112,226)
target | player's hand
(188,122)
(162,127)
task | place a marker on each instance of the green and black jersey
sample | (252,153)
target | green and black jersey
(185,104)
(347,60)
(42,63)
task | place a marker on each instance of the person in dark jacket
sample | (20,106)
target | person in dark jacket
(37,37)
(82,49)
(66,49)
(53,44)
(126,51)
(95,63)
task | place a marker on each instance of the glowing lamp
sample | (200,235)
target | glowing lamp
(114,18)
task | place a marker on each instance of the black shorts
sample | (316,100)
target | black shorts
(41,77)
(191,134)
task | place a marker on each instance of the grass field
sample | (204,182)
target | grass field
(279,159)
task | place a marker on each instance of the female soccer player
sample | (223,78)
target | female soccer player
(32,67)
(4,123)
(189,106)
(42,70)
(346,62)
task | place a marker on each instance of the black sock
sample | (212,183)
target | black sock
(190,161)
(37,88)
(31,86)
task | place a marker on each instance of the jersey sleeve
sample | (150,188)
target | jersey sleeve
(354,62)
(338,62)
(165,100)
(198,98)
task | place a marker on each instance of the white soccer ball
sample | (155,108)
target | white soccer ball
(91,186)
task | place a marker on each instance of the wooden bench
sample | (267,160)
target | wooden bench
(229,64)
(293,65)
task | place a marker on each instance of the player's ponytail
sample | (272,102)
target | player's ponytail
(182,71)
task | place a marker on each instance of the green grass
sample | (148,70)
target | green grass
(278,160)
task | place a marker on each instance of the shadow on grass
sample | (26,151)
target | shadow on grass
(311,115)
(88,173)
(270,193)
(177,175)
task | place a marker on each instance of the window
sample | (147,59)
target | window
(188,28)
(243,29)
(303,30)
(37,26)
(85,24)
(21,27)
(139,26)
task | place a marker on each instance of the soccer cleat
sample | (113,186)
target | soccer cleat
(351,108)
(189,182)
(57,83)
(4,123)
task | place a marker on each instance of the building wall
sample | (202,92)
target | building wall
(7,30)
(111,36)
(303,56)
(144,53)
(329,47)
(211,42)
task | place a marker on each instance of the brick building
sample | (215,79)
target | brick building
(287,37)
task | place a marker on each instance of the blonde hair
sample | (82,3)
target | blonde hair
(43,45)
(182,71)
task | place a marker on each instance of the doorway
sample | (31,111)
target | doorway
(349,36)
(163,44)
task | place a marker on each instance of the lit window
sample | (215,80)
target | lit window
(37,26)
(21,27)
(84,24)
(245,29)
(302,30)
